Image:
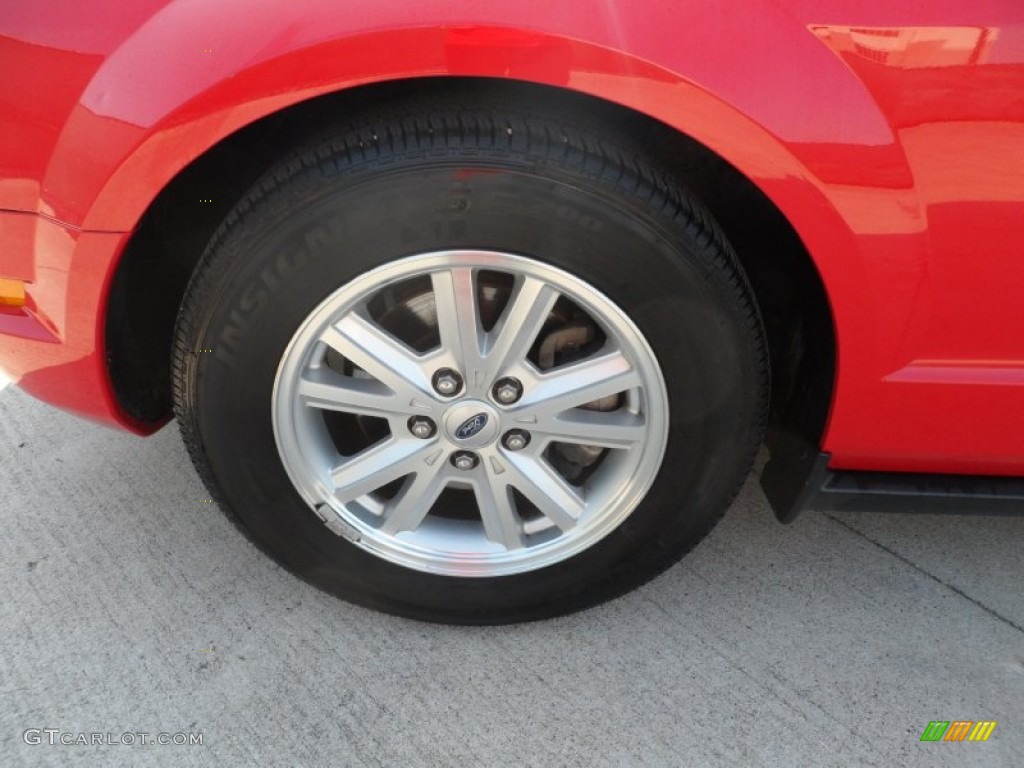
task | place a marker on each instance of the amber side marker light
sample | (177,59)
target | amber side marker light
(12,293)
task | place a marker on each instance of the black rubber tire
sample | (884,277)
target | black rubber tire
(417,177)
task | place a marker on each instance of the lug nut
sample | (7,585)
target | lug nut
(516,439)
(506,391)
(464,460)
(422,427)
(447,382)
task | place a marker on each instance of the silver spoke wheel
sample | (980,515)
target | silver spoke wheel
(470,413)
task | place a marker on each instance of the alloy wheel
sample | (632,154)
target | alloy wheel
(470,413)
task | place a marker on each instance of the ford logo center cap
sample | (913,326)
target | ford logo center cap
(471,426)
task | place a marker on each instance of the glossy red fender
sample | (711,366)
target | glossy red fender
(892,140)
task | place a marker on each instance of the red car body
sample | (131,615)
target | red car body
(889,136)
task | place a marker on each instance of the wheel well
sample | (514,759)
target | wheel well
(151,279)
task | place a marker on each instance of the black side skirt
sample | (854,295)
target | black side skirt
(799,479)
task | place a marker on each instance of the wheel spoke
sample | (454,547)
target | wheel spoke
(379,465)
(549,491)
(494,496)
(573,385)
(458,316)
(380,354)
(330,391)
(614,429)
(407,509)
(513,336)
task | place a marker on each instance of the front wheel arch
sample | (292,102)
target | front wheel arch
(149,282)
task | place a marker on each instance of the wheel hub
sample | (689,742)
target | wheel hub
(472,423)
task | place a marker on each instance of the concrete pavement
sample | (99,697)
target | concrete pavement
(127,604)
